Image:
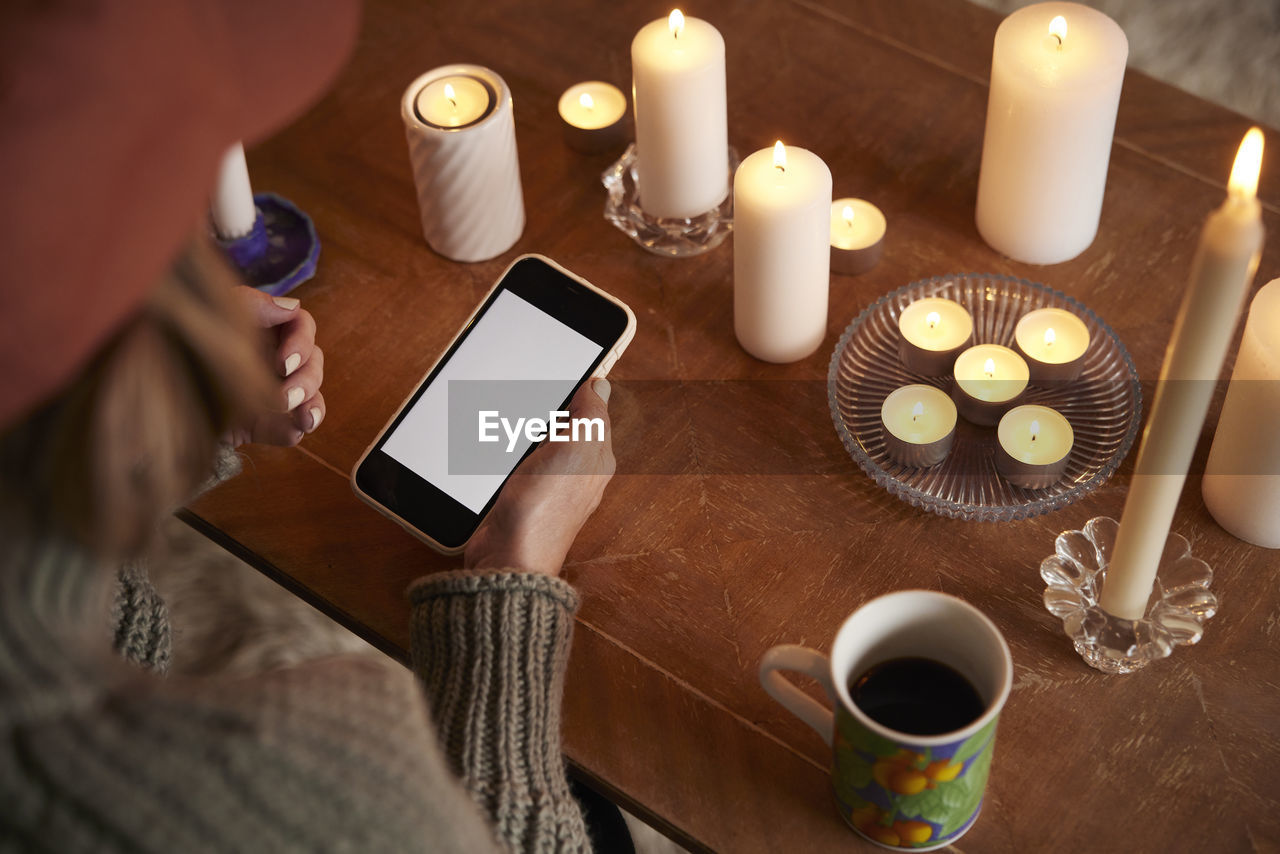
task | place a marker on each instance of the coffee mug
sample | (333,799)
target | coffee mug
(897,789)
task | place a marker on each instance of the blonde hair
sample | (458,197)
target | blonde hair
(137,431)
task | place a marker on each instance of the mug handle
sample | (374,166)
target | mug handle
(811,663)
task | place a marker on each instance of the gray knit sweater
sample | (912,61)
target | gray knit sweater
(334,755)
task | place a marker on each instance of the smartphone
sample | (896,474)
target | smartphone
(502,386)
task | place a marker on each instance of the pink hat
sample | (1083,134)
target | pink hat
(113,116)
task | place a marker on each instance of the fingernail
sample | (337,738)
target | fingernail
(287,303)
(603,389)
(295,397)
(316,417)
(291,363)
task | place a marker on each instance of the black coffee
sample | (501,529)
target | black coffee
(919,696)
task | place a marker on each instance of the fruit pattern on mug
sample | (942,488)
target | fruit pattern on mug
(909,798)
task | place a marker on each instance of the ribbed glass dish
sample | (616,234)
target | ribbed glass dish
(1104,406)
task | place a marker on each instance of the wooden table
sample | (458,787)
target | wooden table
(738,521)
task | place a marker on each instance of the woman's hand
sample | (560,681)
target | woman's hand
(550,496)
(296,360)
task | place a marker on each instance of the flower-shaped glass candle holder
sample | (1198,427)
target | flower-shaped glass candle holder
(678,237)
(1180,602)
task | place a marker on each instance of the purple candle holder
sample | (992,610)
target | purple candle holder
(280,252)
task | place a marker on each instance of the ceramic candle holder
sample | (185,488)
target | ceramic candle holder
(1034,444)
(933,332)
(593,117)
(467,174)
(919,424)
(1179,606)
(1053,342)
(857,236)
(983,396)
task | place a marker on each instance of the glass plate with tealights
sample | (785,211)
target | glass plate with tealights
(1104,405)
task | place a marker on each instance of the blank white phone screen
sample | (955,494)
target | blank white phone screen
(514,340)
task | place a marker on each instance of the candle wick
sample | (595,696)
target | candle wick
(1059,38)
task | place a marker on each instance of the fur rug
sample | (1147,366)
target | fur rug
(1226,51)
(229,618)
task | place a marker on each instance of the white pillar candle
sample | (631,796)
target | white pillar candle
(1242,479)
(1220,275)
(781,254)
(988,380)
(682,131)
(232,205)
(857,236)
(934,332)
(1053,341)
(1050,118)
(1035,444)
(592,115)
(919,425)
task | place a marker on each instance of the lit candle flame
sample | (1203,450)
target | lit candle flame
(989,367)
(1049,337)
(1243,183)
(586,101)
(450,95)
(675,21)
(933,319)
(779,156)
(1058,29)
(917,410)
(1035,430)
(847,214)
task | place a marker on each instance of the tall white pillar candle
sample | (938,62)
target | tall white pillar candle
(682,131)
(1056,71)
(1220,275)
(232,206)
(781,253)
(1241,483)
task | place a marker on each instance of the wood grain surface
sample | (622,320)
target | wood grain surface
(737,520)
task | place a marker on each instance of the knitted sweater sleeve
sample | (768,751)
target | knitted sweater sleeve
(491,651)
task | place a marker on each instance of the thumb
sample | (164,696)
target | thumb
(591,400)
(267,311)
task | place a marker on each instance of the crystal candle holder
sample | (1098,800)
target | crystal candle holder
(1180,601)
(678,237)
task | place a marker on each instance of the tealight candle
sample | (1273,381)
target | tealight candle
(934,332)
(1035,444)
(592,114)
(1053,341)
(989,381)
(455,101)
(919,425)
(857,236)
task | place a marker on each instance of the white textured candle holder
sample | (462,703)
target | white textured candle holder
(679,237)
(1180,602)
(468,178)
